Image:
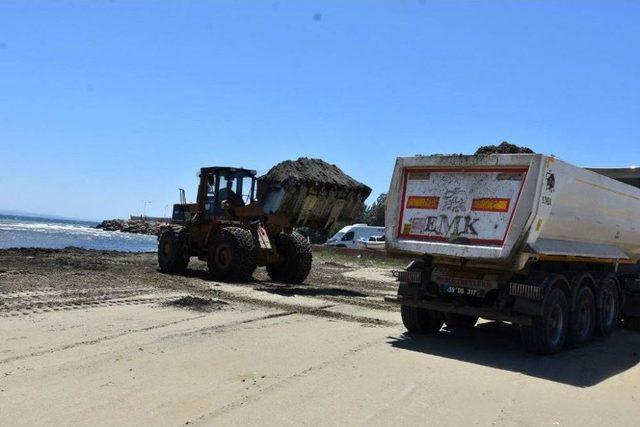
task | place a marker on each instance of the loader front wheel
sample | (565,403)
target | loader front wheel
(173,253)
(295,259)
(232,255)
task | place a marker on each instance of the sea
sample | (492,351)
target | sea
(34,232)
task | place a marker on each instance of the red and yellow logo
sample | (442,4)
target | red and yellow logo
(490,205)
(423,202)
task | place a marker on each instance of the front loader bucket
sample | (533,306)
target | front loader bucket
(312,193)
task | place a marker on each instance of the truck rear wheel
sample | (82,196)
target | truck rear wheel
(232,255)
(295,259)
(608,308)
(420,320)
(460,321)
(548,332)
(583,318)
(173,253)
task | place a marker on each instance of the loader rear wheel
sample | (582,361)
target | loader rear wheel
(173,253)
(232,255)
(460,321)
(583,318)
(295,259)
(608,308)
(548,332)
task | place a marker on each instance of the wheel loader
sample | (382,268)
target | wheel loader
(240,222)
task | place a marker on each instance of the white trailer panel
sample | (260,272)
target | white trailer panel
(498,208)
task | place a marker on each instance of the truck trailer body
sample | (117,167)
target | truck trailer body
(525,238)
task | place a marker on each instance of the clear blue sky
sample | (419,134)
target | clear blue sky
(106,104)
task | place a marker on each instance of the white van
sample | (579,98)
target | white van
(348,236)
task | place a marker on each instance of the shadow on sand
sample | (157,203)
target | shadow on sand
(288,290)
(277,288)
(497,345)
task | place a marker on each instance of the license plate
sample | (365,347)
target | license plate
(455,290)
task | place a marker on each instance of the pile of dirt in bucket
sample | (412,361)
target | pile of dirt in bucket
(312,193)
(503,148)
(310,172)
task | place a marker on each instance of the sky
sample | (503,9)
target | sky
(105,105)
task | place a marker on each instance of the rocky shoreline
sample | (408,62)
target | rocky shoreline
(135,226)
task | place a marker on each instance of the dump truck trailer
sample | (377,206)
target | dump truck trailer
(523,238)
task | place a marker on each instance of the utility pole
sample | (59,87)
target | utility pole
(144,210)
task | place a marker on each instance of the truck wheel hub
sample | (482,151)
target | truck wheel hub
(166,248)
(584,319)
(556,324)
(608,305)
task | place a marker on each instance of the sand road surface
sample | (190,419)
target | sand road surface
(104,339)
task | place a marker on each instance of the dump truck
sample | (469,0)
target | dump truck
(522,238)
(241,221)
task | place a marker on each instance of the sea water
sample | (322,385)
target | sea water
(34,232)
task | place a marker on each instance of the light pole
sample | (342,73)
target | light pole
(144,210)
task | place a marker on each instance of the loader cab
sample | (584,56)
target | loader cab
(224,188)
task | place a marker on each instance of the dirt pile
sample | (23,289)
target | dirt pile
(197,303)
(503,148)
(309,172)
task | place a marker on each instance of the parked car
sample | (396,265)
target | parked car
(348,236)
(371,242)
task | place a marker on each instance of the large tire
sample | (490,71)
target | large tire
(232,255)
(173,251)
(582,319)
(547,333)
(420,320)
(607,308)
(295,259)
(460,321)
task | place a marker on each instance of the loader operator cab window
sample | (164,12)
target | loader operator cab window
(210,197)
(231,189)
(248,188)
